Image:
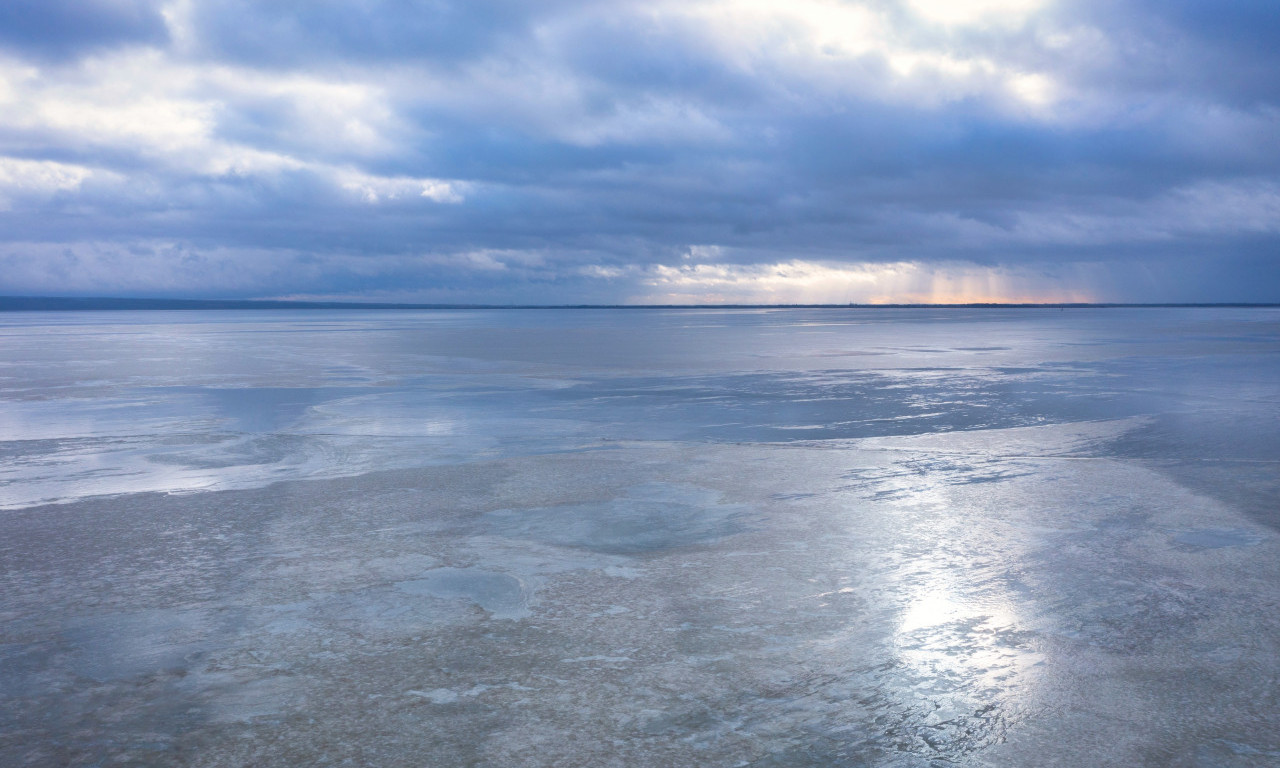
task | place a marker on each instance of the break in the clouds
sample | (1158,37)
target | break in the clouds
(599,152)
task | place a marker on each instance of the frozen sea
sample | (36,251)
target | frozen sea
(804,537)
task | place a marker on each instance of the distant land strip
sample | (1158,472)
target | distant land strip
(71,303)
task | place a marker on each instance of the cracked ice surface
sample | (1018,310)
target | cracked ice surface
(793,538)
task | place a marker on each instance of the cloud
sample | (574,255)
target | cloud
(377,189)
(796,282)
(586,151)
(35,181)
(55,29)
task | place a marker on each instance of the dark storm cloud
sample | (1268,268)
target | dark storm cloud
(492,151)
(1227,52)
(51,29)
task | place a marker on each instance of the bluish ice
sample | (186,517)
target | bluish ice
(723,537)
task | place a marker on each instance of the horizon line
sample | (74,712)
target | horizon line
(112,303)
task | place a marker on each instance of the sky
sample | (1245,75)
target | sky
(699,151)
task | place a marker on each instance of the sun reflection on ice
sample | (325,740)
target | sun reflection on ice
(965,654)
(930,610)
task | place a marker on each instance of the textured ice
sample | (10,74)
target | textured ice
(618,538)
(645,518)
(500,595)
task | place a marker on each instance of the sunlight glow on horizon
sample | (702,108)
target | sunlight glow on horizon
(805,282)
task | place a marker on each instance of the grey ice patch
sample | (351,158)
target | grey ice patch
(127,645)
(233,699)
(381,611)
(647,518)
(1226,752)
(503,596)
(436,695)
(1216,538)
(287,619)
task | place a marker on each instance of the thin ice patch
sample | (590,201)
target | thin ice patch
(1214,538)
(502,596)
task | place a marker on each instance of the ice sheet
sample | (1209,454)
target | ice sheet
(801,538)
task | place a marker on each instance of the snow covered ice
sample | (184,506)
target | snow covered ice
(1004,537)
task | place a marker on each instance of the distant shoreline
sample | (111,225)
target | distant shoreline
(66,304)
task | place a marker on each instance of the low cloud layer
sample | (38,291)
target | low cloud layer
(707,151)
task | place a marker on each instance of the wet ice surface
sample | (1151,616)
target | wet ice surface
(800,538)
